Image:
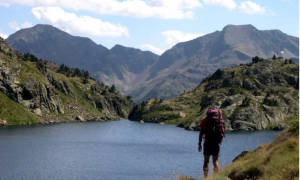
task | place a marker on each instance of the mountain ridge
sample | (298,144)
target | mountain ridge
(233,45)
(143,75)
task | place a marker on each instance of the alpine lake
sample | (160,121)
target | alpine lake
(115,150)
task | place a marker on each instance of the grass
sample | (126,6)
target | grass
(80,100)
(289,122)
(276,161)
(18,115)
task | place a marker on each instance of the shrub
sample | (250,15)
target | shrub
(257,59)
(246,102)
(104,92)
(270,102)
(233,91)
(235,113)
(256,93)
(294,128)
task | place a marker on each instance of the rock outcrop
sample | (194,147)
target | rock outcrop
(55,97)
(251,96)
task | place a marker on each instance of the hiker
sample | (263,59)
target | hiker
(212,127)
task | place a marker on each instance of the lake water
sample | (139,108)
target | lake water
(122,150)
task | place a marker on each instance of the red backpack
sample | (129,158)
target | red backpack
(215,129)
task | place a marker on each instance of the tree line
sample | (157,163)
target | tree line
(75,72)
(257,59)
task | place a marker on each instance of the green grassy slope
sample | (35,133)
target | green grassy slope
(15,114)
(278,160)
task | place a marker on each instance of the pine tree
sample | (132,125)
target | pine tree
(104,92)
(77,72)
(85,77)
(144,104)
(286,61)
(61,68)
(128,98)
(112,89)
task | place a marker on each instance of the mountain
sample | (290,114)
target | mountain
(252,96)
(38,91)
(186,64)
(143,74)
(125,67)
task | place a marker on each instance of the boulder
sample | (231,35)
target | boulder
(37,111)
(79,118)
(3,122)
(181,114)
(192,127)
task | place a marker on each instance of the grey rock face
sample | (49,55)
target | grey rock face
(32,95)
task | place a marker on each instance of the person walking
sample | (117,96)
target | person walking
(212,128)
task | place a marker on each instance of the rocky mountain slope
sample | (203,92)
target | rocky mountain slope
(186,64)
(36,93)
(251,96)
(143,74)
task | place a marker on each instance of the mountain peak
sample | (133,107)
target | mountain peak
(121,47)
(238,27)
(43,27)
(118,47)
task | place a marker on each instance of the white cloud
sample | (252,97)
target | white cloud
(171,38)
(78,25)
(4,4)
(14,25)
(177,9)
(26,25)
(229,4)
(153,49)
(249,7)
(176,4)
(3,35)
(174,37)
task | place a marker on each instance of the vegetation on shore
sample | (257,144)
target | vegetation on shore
(278,160)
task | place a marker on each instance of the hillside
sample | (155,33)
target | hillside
(278,160)
(251,96)
(142,74)
(32,91)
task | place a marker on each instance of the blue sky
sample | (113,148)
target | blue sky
(154,25)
